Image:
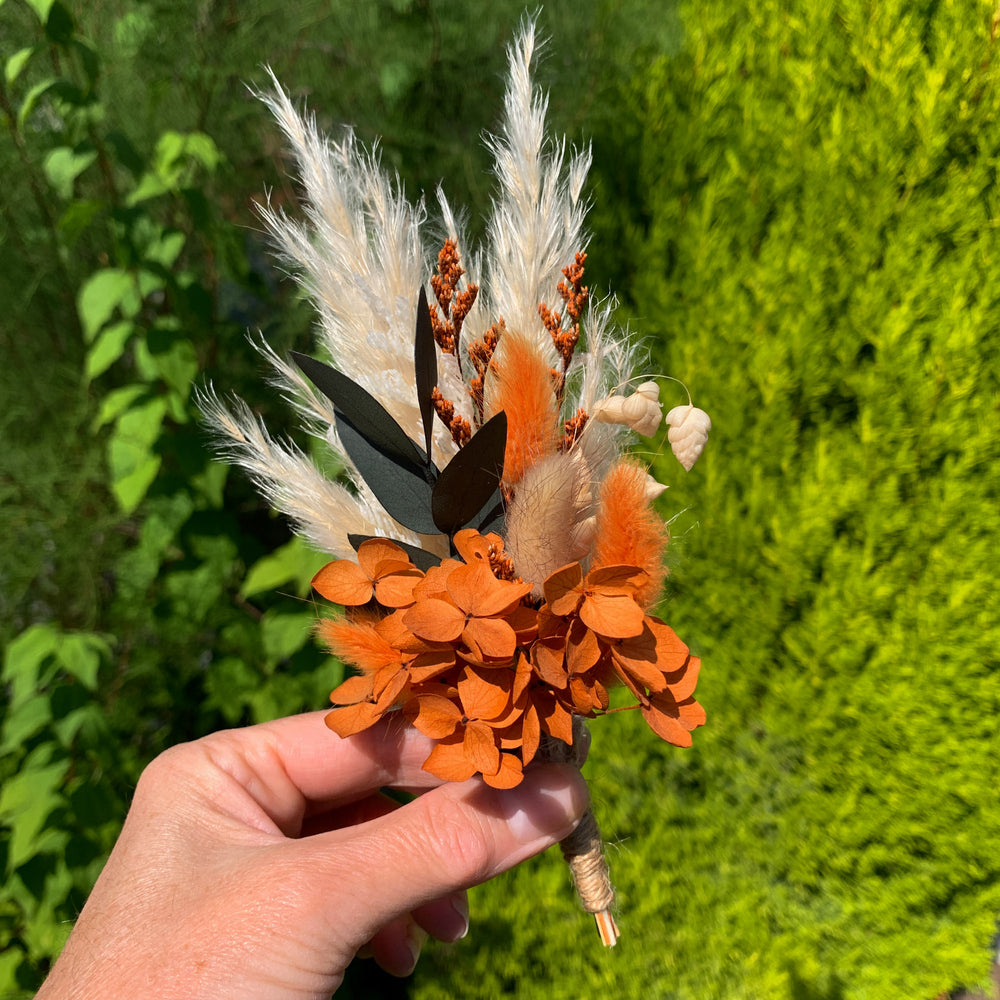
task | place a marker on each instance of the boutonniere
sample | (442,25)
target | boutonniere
(495,550)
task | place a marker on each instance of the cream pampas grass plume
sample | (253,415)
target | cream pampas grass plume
(495,553)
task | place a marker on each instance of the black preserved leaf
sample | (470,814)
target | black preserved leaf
(365,412)
(425,368)
(469,480)
(420,558)
(491,517)
(400,487)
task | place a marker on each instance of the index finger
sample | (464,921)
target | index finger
(298,765)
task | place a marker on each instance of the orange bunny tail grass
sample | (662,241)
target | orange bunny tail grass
(629,532)
(357,643)
(520,383)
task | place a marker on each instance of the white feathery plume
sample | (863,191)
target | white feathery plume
(537,222)
(324,512)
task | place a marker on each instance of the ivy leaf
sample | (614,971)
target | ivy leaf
(420,558)
(425,367)
(471,478)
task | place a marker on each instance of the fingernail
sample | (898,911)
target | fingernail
(546,806)
(415,938)
(460,904)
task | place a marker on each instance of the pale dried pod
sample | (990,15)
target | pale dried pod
(688,433)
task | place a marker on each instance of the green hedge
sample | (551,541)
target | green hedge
(797,203)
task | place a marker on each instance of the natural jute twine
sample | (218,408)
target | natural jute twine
(583,849)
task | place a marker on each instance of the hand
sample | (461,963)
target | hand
(257,862)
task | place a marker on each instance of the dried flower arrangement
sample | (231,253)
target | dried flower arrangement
(497,580)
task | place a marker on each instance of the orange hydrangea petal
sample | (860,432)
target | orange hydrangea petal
(665,725)
(395,583)
(473,547)
(435,620)
(524,621)
(481,748)
(683,682)
(491,637)
(671,653)
(435,581)
(351,719)
(616,579)
(562,589)
(485,693)
(509,774)
(431,664)
(692,714)
(582,649)
(389,685)
(531,734)
(476,590)
(522,676)
(672,720)
(549,663)
(447,760)
(353,690)
(556,720)
(433,715)
(614,617)
(343,582)
(375,551)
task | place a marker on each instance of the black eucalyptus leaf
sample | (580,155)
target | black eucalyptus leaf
(420,558)
(470,479)
(365,412)
(425,367)
(491,517)
(399,486)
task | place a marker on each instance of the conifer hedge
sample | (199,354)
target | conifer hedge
(808,193)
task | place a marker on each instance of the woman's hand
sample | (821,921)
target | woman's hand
(257,862)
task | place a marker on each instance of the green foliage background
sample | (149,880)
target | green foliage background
(797,204)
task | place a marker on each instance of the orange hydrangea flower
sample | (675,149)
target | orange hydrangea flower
(472,609)
(383,571)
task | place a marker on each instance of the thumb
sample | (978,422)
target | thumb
(450,838)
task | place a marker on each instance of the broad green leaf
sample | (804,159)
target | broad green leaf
(117,402)
(80,655)
(23,659)
(24,721)
(293,563)
(177,365)
(167,249)
(101,294)
(26,800)
(41,8)
(129,489)
(32,97)
(108,348)
(16,63)
(284,634)
(63,165)
(131,459)
(176,146)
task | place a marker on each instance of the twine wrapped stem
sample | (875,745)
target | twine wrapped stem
(583,849)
